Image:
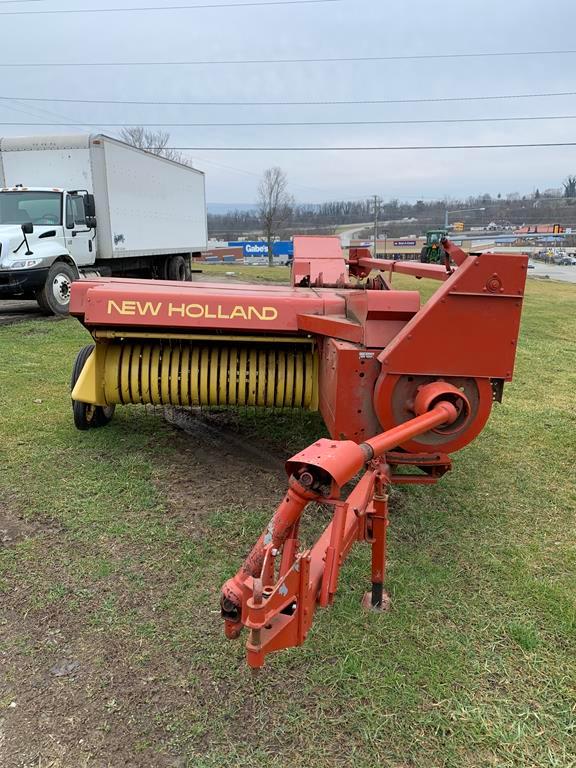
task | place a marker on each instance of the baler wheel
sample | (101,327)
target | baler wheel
(87,415)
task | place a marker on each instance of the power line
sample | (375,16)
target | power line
(237,62)
(374,148)
(39,112)
(205,6)
(290,103)
(228,124)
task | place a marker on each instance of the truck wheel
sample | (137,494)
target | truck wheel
(54,296)
(176,269)
(87,415)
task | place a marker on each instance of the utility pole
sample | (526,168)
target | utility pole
(377,202)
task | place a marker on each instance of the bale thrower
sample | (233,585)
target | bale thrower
(400,386)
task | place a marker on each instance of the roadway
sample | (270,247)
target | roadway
(553,271)
(14,311)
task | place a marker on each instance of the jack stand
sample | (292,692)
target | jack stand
(377,519)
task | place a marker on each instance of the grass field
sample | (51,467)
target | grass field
(116,542)
(246,272)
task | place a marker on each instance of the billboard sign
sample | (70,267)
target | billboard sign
(260,248)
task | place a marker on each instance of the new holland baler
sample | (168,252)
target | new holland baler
(400,386)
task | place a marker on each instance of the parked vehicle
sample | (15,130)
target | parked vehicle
(568,261)
(433,252)
(81,206)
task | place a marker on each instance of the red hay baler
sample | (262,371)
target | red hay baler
(400,386)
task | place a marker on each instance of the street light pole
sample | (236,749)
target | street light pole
(461,210)
(377,202)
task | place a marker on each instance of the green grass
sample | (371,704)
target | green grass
(473,667)
(247,272)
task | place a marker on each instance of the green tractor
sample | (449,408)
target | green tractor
(433,252)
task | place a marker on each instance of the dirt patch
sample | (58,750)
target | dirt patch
(91,674)
(220,466)
(14,528)
(74,698)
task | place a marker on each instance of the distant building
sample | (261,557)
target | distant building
(541,229)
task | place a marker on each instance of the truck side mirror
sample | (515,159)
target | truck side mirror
(90,211)
(27,228)
(89,206)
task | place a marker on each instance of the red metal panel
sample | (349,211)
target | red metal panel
(382,314)
(382,305)
(470,325)
(198,305)
(347,377)
(373,317)
(319,260)
(332,325)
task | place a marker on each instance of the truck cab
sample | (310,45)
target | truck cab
(46,236)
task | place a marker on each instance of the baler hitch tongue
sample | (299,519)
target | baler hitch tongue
(277,589)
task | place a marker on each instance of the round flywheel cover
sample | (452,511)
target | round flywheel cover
(394,396)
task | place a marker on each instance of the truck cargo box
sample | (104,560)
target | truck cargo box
(145,204)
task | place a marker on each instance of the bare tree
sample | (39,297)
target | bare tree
(155,142)
(274,204)
(569,186)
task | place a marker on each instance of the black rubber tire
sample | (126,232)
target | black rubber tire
(85,414)
(176,268)
(54,296)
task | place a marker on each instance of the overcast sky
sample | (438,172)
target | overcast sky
(345,28)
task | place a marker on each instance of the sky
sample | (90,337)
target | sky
(335,29)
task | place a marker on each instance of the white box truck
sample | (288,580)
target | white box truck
(82,206)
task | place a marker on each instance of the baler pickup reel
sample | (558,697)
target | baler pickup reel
(400,386)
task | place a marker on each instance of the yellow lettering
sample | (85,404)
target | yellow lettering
(266,313)
(195,310)
(221,315)
(112,306)
(125,308)
(269,313)
(238,312)
(148,307)
(252,311)
(172,310)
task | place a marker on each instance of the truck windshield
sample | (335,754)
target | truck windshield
(37,207)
